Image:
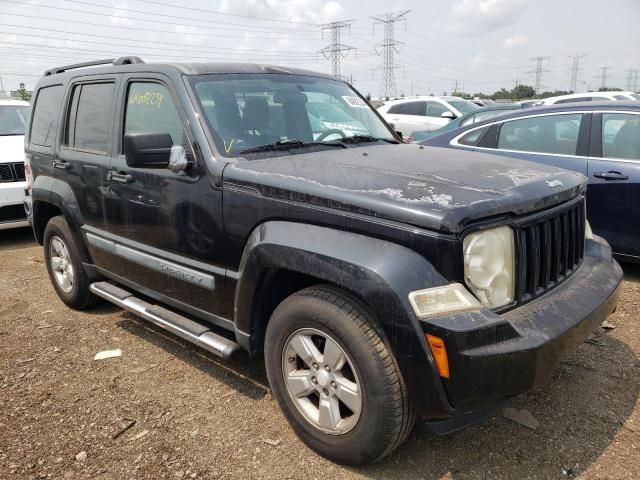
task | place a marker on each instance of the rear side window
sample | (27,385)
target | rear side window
(472,138)
(577,99)
(543,134)
(150,109)
(90,117)
(395,108)
(45,116)
(621,136)
(413,108)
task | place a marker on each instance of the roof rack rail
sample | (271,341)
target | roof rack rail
(107,61)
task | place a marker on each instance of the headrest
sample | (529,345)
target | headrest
(256,113)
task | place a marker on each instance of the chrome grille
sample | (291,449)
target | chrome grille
(12,172)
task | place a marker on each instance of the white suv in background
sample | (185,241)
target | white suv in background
(424,113)
(591,96)
(13,121)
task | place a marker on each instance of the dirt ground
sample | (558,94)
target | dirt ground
(192,415)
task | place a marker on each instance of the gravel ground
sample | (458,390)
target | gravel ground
(191,415)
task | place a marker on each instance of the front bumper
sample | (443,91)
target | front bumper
(493,356)
(12,214)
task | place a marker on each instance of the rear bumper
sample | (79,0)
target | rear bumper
(492,357)
(12,214)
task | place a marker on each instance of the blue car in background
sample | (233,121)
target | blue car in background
(598,139)
(483,113)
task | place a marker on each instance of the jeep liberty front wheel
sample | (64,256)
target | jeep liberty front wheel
(335,377)
(64,264)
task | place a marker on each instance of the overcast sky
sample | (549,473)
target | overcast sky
(481,44)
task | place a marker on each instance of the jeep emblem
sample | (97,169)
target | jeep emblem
(554,183)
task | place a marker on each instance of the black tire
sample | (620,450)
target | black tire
(386,416)
(79,296)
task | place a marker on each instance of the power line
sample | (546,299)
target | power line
(575,69)
(539,70)
(336,50)
(387,49)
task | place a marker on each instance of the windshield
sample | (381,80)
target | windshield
(244,111)
(13,119)
(464,106)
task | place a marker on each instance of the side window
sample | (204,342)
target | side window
(472,138)
(435,109)
(543,134)
(89,120)
(150,109)
(469,120)
(621,136)
(395,108)
(413,108)
(45,116)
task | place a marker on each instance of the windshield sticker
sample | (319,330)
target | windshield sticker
(355,101)
(146,98)
(227,148)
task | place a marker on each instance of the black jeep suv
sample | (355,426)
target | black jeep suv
(272,209)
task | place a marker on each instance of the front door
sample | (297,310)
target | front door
(167,233)
(614,181)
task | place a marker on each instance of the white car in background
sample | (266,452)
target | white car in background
(424,113)
(591,96)
(14,115)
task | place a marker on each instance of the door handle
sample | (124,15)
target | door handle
(62,165)
(119,177)
(611,175)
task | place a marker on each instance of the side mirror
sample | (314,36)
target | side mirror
(147,150)
(399,133)
(448,114)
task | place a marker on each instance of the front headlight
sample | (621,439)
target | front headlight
(489,266)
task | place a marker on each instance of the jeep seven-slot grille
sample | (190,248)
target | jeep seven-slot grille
(12,172)
(549,250)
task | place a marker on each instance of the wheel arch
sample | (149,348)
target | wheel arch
(281,258)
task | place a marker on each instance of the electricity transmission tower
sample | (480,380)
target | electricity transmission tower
(336,50)
(635,81)
(387,49)
(539,70)
(575,69)
(632,80)
(603,81)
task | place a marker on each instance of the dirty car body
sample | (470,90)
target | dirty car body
(232,238)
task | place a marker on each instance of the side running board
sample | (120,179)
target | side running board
(177,324)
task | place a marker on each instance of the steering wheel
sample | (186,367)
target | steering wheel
(331,131)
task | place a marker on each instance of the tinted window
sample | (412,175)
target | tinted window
(621,136)
(150,109)
(45,116)
(90,117)
(473,138)
(395,108)
(544,134)
(618,97)
(13,119)
(413,108)
(435,109)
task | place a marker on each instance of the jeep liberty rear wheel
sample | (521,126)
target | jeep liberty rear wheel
(64,264)
(335,377)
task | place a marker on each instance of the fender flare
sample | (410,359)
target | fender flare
(54,191)
(379,272)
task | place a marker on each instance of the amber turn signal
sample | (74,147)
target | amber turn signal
(436,344)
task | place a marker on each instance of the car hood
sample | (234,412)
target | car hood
(434,188)
(11,148)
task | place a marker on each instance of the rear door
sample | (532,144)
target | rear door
(408,117)
(86,147)
(614,180)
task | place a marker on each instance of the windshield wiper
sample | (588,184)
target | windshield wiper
(364,139)
(288,144)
